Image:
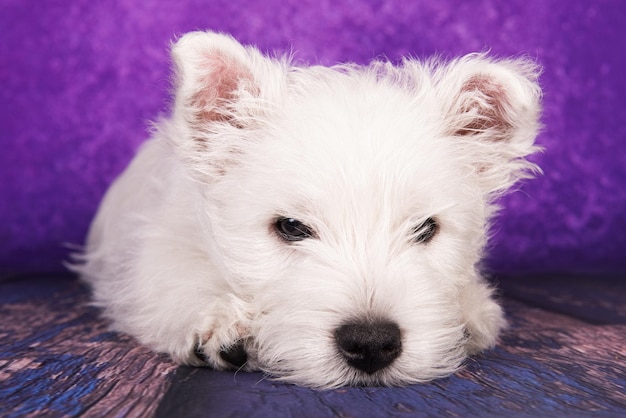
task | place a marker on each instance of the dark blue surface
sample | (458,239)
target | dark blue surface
(57,358)
(497,384)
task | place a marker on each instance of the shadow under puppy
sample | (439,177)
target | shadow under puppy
(323,225)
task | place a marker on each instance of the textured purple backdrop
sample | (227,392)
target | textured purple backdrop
(80,79)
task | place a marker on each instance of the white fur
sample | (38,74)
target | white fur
(183,249)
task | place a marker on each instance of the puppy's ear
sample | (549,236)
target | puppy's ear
(492,109)
(218,90)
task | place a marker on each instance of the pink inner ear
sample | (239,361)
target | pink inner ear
(218,86)
(485,103)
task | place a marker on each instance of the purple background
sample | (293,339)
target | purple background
(80,79)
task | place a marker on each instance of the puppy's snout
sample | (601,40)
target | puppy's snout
(369,346)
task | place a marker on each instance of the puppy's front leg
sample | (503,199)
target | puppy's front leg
(177,302)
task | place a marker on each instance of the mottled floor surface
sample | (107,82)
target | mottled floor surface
(564,355)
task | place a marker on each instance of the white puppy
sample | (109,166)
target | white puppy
(323,225)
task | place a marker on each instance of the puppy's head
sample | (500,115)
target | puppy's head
(350,204)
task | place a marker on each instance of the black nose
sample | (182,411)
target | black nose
(369,345)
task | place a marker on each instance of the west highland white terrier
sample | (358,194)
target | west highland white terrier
(322,225)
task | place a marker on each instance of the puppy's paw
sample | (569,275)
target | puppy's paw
(484,318)
(223,349)
(223,340)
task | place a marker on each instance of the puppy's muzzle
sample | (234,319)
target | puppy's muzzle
(369,345)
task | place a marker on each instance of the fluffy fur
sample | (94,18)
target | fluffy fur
(186,253)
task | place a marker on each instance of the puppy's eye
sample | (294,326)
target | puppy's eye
(425,231)
(292,229)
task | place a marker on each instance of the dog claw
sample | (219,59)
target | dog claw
(235,354)
(199,353)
